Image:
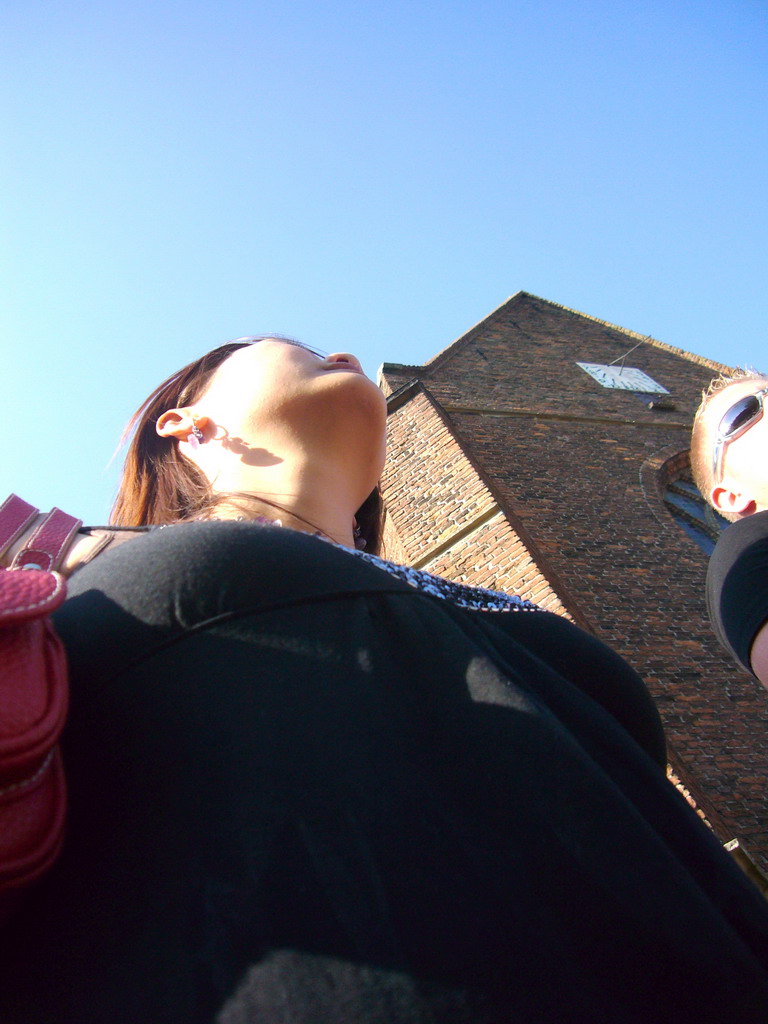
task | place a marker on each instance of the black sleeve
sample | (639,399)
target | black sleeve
(737,585)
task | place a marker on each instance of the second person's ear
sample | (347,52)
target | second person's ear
(732,502)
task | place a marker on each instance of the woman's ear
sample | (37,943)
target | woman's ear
(174,423)
(180,423)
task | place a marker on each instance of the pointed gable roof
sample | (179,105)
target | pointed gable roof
(522,299)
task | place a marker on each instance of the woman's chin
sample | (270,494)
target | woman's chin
(354,397)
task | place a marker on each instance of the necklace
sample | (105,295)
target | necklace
(360,542)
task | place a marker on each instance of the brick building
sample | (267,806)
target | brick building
(512,466)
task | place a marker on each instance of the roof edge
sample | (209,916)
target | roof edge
(440,356)
(476,327)
(663,345)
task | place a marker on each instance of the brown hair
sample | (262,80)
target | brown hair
(160,486)
(702,435)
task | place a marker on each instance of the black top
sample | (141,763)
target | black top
(307,791)
(737,585)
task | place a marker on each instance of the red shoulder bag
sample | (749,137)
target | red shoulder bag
(33,698)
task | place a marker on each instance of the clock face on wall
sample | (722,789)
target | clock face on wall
(626,378)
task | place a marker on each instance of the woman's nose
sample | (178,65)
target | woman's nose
(344,357)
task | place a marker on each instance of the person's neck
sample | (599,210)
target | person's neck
(301,498)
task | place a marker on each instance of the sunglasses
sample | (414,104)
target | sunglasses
(251,339)
(736,421)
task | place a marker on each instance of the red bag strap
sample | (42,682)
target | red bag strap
(47,546)
(15,516)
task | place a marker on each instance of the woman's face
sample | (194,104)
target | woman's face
(276,389)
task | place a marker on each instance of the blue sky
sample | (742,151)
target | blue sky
(373,177)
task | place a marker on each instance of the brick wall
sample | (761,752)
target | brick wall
(510,467)
(443,517)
